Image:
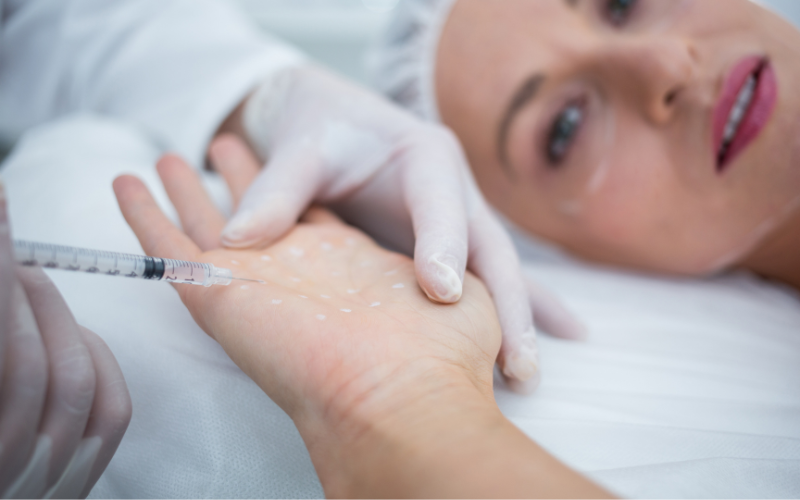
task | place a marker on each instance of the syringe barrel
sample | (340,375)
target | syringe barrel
(119,264)
(30,253)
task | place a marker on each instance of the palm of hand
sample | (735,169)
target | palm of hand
(337,314)
(335,317)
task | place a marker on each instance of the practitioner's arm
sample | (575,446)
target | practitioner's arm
(174,68)
(64,405)
(391,393)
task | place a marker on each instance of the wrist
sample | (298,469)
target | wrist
(433,433)
(366,443)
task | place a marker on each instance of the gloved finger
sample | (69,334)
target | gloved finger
(201,220)
(494,259)
(23,388)
(276,199)
(71,381)
(234,160)
(157,235)
(111,414)
(434,194)
(551,316)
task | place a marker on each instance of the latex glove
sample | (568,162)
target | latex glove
(405,182)
(64,405)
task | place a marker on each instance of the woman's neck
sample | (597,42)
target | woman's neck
(778,257)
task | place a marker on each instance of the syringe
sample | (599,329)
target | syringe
(28,253)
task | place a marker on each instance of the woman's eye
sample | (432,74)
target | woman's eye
(563,132)
(618,11)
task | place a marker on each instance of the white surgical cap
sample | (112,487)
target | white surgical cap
(402,64)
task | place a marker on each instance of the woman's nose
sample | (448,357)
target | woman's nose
(654,72)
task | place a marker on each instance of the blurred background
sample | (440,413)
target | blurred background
(336,33)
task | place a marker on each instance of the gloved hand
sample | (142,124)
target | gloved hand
(404,181)
(64,405)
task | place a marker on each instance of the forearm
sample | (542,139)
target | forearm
(442,439)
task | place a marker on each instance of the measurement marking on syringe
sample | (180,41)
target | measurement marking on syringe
(117,264)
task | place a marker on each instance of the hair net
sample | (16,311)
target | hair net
(403,62)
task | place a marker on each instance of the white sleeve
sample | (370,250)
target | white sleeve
(176,68)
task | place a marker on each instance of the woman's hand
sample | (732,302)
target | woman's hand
(338,321)
(404,181)
(64,405)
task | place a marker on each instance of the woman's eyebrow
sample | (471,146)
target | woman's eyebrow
(524,94)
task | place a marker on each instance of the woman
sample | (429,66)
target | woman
(648,134)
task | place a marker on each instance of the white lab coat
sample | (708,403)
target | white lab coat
(174,68)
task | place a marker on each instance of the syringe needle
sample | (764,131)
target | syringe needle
(247,279)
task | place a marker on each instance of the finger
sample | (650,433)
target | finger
(319,215)
(110,416)
(157,235)
(551,316)
(434,194)
(71,381)
(200,219)
(275,200)
(23,388)
(234,160)
(494,259)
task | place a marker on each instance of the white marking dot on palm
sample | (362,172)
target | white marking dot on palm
(297,251)
(244,287)
(325,296)
(345,310)
(326,246)
(302,296)
(276,301)
(390,273)
(296,280)
(320,317)
(375,304)
(352,291)
(235,262)
(266,258)
(398,285)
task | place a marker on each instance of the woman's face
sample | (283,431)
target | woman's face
(660,134)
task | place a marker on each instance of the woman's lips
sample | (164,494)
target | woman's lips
(756,115)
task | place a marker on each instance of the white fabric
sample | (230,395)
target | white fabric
(176,68)
(684,389)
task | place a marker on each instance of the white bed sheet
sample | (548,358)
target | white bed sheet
(684,389)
